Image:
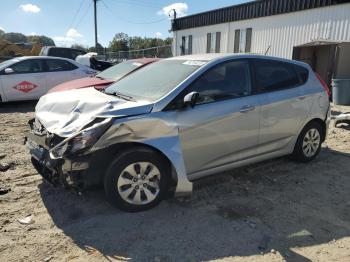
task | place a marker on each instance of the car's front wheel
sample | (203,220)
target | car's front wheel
(137,180)
(309,143)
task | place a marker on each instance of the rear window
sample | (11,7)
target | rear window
(275,75)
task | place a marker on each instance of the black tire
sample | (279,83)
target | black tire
(125,159)
(299,154)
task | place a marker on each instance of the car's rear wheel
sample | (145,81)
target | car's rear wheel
(309,143)
(137,180)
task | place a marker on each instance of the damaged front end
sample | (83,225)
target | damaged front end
(63,161)
(74,139)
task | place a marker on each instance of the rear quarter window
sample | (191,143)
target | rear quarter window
(274,75)
(303,73)
(55,65)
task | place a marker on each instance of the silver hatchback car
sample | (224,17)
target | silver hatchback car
(178,120)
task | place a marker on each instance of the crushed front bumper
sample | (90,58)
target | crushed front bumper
(65,171)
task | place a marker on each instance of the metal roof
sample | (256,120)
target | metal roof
(250,10)
(322,42)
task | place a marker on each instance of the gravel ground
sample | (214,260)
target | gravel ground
(273,211)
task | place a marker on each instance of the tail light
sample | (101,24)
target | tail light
(324,85)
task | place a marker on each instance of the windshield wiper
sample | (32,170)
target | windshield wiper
(125,97)
(100,77)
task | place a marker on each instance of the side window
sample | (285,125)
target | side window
(274,75)
(55,65)
(28,66)
(303,73)
(225,81)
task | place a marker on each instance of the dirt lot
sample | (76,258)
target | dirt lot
(274,211)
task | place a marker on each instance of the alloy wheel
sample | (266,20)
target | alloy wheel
(311,142)
(139,183)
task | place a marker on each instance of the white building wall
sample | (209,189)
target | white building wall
(281,32)
(199,38)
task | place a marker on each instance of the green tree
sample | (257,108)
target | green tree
(15,37)
(99,50)
(41,39)
(120,42)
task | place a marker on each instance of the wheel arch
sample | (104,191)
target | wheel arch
(323,125)
(107,155)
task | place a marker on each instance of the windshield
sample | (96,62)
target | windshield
(154,81)
(118,71)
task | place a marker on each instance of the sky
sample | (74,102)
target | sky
(71,21)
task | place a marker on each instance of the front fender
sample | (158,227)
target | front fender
(155,130)
(2,92)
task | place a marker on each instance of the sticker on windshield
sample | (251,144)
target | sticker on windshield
(25,86)
(194,63)
(137,64)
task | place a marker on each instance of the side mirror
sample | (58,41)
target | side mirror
(9,71)
(191,99)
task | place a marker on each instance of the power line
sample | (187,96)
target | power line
(81,19)
(77,12)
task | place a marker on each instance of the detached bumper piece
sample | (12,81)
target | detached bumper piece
(66,172)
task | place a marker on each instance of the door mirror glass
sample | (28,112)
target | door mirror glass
(9,70)
(191,99)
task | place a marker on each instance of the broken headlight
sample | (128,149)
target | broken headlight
(84,140)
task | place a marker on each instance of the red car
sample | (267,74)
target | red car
(106,77)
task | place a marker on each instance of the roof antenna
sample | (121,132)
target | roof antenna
(267,50)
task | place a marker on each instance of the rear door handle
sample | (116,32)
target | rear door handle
(247,108)
(301,97)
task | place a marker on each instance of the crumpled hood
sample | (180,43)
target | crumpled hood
(65,113)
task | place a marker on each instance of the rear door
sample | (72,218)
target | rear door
(283,108)
(28,81)
(60,71)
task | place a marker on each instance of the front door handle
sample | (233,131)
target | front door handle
(247,108)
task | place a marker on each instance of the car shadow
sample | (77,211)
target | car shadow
(18,107)
(275,205)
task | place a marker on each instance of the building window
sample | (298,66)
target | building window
(213,42)
(243,40)
(186,45)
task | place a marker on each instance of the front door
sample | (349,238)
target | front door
(223,126)
(28,80)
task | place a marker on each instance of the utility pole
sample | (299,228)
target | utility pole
(95,15)
(175,14)
(174,32)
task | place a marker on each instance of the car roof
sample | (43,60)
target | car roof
(218,56)
(145,60)
(21,58)
(39,57)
